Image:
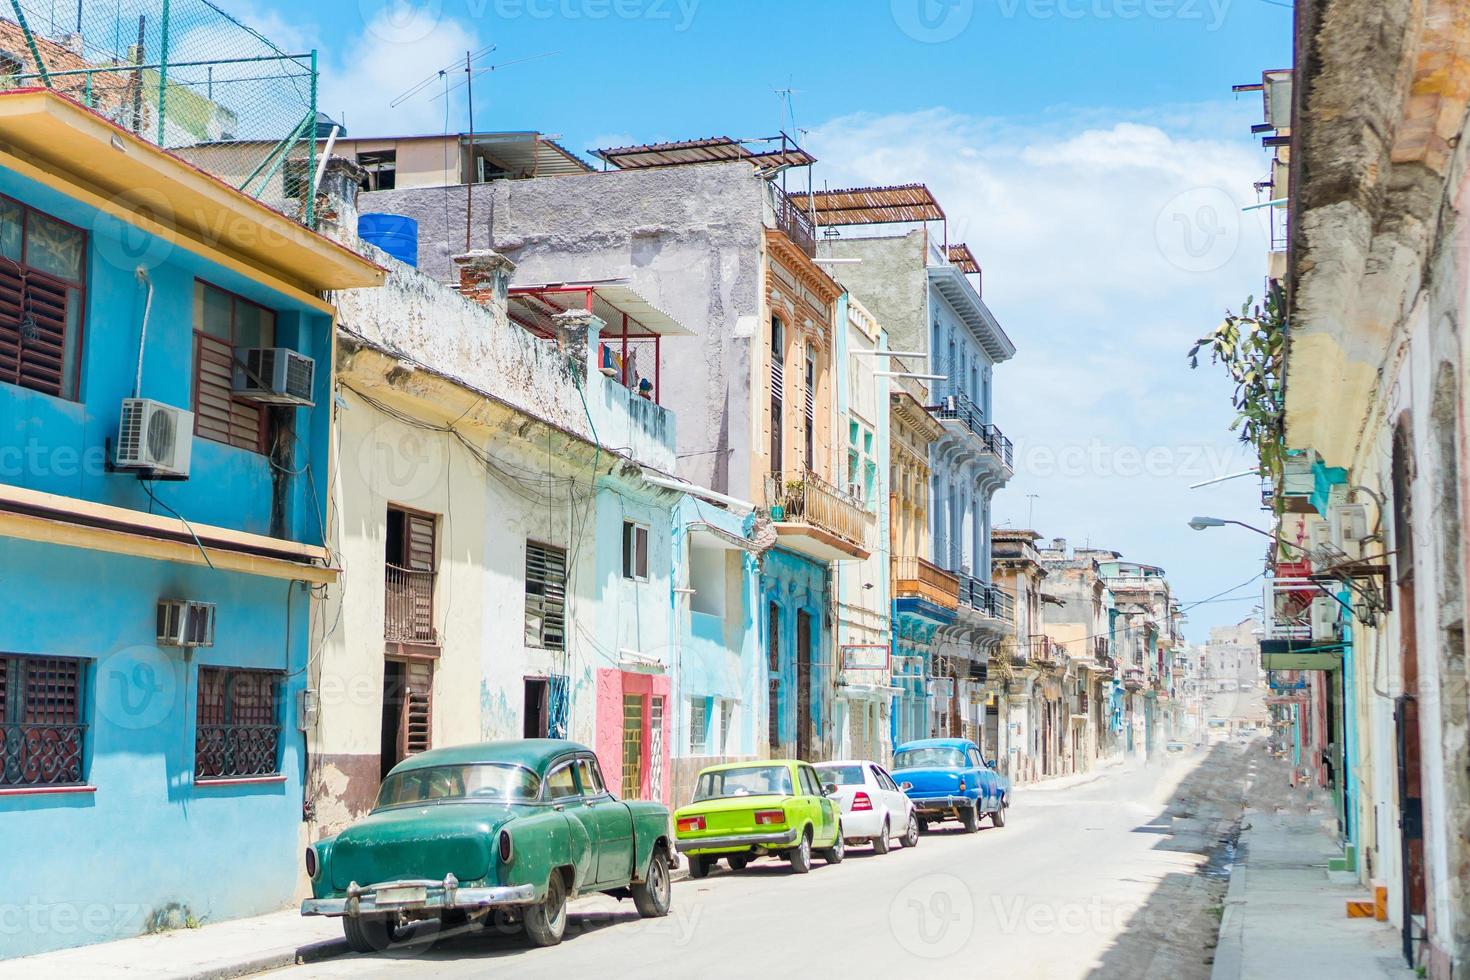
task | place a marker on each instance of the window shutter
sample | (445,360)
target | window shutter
(415,722)
(420,542)
(218,414)
(33,314)
(546,596)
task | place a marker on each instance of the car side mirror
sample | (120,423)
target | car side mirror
(831,789)
(989,763)
(905,786)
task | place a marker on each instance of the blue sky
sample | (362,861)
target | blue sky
(1089,151)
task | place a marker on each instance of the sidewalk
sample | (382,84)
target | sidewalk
(218,951)
(1284,918)
(1105,767)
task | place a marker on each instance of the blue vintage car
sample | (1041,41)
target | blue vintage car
(948,779)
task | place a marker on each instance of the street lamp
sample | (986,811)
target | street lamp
(1200,523)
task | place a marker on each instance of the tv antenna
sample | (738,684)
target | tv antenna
(470,69)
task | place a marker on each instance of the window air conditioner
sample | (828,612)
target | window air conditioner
(274,375)
(184,623)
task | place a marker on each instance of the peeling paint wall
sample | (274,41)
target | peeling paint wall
(688,238)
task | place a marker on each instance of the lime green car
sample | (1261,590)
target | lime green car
(746,810)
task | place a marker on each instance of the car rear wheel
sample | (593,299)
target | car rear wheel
(970,817)
(699,865)
(880,843)
(838,850)
(923,825)
(737,862)
(800,856)
(911,836)
(547,923)
(653,895)
(998,815)
(370,933)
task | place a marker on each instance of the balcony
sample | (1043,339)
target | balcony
(917,578)
(1133,679)
(813,517)
(794,223)
(1045,652)
(988,600)
(960,414)
(408,614)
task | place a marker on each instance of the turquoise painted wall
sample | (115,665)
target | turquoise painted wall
(147,844)
(796,584)
(58,446)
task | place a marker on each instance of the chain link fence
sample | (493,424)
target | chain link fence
(182,74)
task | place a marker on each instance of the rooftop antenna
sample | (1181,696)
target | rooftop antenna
(470,69)
(1031,511)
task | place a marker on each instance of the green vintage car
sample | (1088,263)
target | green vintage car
(519,826)
(745,810)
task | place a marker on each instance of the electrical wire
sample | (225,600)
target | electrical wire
(197,543)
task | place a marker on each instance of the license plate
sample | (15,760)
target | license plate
(402,895)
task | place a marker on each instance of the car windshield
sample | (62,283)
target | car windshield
(841,775)
(752,781)
(476,781)
(931,757)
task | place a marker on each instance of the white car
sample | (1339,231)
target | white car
(874,809)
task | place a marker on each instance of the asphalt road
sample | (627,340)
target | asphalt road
(1121,875)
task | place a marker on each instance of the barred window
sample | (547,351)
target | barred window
(546,596)
(238,723)
(41,723)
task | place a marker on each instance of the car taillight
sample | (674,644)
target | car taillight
(962,784)
(861,802)
(311,863)
(767,817)
(690,824)
(505,847)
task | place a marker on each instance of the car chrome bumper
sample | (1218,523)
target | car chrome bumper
(945,804)
(413,894)
(781,838)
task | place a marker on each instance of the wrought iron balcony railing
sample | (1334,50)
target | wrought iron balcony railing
(794,223)
(955,407)
(913,576)
(408,614)
(1045,650)
(41,755)
(805,498)
(991,600)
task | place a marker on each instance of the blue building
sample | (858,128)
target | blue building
(161,531)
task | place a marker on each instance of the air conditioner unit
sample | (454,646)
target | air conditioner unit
(185,623)
(154,438)
(1325,616)
(274,375)
(1349,524)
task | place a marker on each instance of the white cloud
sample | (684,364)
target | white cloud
(1109,242)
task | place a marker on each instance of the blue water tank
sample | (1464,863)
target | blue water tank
(396,234)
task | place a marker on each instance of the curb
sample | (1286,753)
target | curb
(1230,946)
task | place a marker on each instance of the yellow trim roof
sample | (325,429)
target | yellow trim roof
(71,141)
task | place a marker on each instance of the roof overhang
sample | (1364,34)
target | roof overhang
(79,148)
(612,299)
(898,204)
(814,542)
(950,282)
(713,149)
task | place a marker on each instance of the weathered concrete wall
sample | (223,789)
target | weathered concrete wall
(689,239)
(889,281)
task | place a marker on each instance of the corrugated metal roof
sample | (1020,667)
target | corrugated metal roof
(712,149)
